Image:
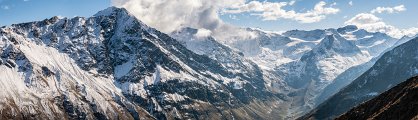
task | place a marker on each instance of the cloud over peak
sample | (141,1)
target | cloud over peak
(170,15)
(370,22)
(373,23)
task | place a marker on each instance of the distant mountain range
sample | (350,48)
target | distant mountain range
(392,68)
(113,66)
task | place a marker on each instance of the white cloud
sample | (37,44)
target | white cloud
(350,3)
(203,33)
(372,23)
(171,15)
(395,9)
(274,11)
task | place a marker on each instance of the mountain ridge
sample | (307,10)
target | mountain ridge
(126,69)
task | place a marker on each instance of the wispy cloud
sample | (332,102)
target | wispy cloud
(395,9)
(275,11)
(350,3)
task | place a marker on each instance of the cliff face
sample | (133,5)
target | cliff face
(398,103)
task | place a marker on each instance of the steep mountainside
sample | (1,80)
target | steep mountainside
(113,66)
(391,69)
(234,60)
(399,103)
(352,73)
(319,72)
(317,68)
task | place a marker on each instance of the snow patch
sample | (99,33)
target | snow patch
(122,70)
(373,94)
(174,97)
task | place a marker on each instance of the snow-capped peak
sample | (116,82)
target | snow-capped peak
(110,11)
(338,44)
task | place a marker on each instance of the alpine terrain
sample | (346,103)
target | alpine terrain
(113,66)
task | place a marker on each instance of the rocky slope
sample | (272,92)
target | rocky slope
(391,69)
(112,66)
(397,103)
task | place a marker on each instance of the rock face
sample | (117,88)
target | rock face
(400,103)
(392,68)
(113,66)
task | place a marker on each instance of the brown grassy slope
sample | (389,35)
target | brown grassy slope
(398,103)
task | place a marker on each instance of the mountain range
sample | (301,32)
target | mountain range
(113,66)
(394,67)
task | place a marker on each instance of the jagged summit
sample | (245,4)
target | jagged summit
(338,44)
(111,11)
(330,45)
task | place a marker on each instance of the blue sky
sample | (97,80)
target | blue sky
(17,11)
